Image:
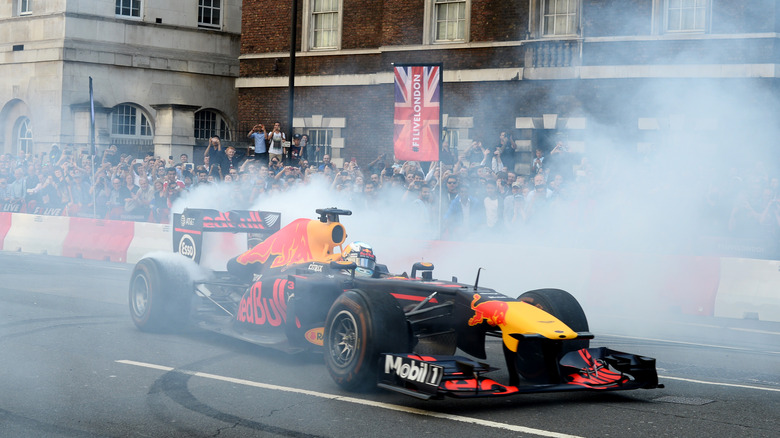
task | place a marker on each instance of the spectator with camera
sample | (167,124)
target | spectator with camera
(289,172)
(172,183)
(294,152)
(258,135)
(276,140)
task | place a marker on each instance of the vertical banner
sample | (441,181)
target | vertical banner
(417,112)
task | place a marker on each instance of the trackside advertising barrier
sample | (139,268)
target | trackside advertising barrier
(682,284)
(709,286)
(749,288)
(96,239)
(5,225)
(148,237)
(37,234)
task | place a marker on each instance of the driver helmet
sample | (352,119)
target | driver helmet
(363,255)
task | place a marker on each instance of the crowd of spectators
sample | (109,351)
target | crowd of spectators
(475,193)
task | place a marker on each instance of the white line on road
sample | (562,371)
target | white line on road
(667,341)
(734,385)
(476,421)
(763,332)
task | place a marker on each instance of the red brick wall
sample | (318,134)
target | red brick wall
(498,20)
(265,26)
(362,24)
(616,17)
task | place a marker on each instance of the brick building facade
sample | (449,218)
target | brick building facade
(630,73)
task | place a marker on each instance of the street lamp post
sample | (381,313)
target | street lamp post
(291,86)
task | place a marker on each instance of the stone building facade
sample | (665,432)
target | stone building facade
(163,73)
(626,73)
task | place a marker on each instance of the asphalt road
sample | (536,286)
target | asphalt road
(72,364)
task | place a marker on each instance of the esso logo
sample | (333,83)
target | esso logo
(187,246)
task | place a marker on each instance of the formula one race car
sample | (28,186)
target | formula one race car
(300,289)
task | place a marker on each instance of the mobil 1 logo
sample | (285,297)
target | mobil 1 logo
(425,375)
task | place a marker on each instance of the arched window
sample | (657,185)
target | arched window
(24,135)
(209,123)
(128,121)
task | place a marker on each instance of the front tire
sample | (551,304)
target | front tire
(360,326)
(563,306)
(159,295)
(537,360)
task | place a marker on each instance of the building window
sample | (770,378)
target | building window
(449,20)
(130,121)
(686,15)
(319,144)
(209,123)
(24,136)
(325,24)
(128,8)
(25,7)
(209,13)
(451,139)
(560,17)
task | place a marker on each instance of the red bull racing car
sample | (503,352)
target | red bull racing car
(299,288)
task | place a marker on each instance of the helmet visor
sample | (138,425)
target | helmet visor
(365,262)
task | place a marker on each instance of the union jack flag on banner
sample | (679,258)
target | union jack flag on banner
(417,112)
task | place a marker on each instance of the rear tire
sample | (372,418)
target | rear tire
(537,360)
(159,296)
(360,326)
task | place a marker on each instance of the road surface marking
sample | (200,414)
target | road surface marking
(392,407)
(760,388)
(668,341)
(763,332)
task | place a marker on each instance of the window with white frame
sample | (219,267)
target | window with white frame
(560,17)
(450,20)
(319,143)
(25,7)
(686,15)
(210,123)
(128,8)
(324,25)
(130,121)
(24,136)
(209,13)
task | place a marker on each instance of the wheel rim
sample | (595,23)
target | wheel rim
(344,339)
(140,295)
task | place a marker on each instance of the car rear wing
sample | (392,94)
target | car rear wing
(189,226)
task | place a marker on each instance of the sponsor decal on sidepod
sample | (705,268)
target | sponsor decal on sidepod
(316,336)
(187,246)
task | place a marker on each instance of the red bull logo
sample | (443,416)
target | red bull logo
(257,309)
(289,245)
(494,312)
